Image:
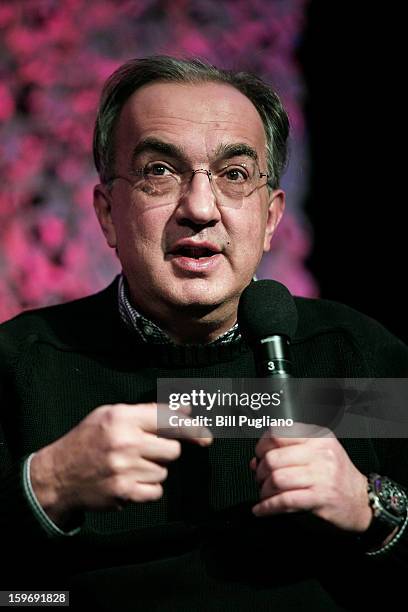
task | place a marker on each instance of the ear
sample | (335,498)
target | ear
(102,201)
(275,212)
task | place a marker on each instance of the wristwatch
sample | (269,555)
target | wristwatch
(389,503)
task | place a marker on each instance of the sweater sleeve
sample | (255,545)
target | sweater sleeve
(21,515)
(17,514)
(387,357)
(20,511)
(50,527)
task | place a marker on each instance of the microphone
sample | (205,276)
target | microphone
(268,318)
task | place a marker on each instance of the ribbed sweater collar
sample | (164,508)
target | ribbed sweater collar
(99,328)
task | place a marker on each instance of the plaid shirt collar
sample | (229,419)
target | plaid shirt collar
(149,331)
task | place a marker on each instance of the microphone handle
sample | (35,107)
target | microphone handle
(273,357)
(273,360)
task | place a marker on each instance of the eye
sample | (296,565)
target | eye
(157,169)
(235,174)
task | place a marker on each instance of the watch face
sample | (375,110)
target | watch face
(391,496)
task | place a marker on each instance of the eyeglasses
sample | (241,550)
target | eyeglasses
(159,184)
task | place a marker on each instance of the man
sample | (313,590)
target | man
(189,159)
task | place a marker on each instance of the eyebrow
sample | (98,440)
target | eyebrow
(227,151)
(223,151)
(158,146)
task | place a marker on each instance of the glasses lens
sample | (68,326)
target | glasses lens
(157,186)
(161,186)
(157,190)
(236,182)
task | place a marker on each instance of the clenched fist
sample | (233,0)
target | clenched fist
(311,473)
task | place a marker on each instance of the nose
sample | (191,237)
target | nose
(198,204)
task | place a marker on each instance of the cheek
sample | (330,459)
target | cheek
(247,235)
(141,238)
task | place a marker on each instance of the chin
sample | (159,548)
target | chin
(202,297)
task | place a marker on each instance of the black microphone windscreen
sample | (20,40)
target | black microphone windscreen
(267,308)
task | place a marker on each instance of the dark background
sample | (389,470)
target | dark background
(354,70)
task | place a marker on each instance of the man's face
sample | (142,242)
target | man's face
(197,120)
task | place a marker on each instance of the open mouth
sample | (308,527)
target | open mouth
(194,252)
(193,259)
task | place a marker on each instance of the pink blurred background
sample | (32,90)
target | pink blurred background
(54,58)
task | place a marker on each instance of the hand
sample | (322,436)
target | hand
(112,456)
(314,474)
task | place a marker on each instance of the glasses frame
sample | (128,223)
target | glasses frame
(179,178)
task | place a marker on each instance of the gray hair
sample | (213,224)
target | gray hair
(138,72)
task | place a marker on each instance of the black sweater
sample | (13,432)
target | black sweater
(199,547)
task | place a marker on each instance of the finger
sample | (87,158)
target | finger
(144,492)
(148,487)
(148,472)
(183,427)
(158,449)
(298,434)
(268,442)
(288,501)
(149,416)
(145,415)
(153,417)
(300,430)
(298,454)
(134,491)
(184,408)
(286,479)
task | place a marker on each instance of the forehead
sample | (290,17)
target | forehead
(197,117)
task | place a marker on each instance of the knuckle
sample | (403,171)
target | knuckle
(107,414)
(112,439)
(270,460)
(328,454)
(140,410)
(137,440)
(118,486)
(100,410)
(106,422)
(278,478)
(114,436)
(113,463)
